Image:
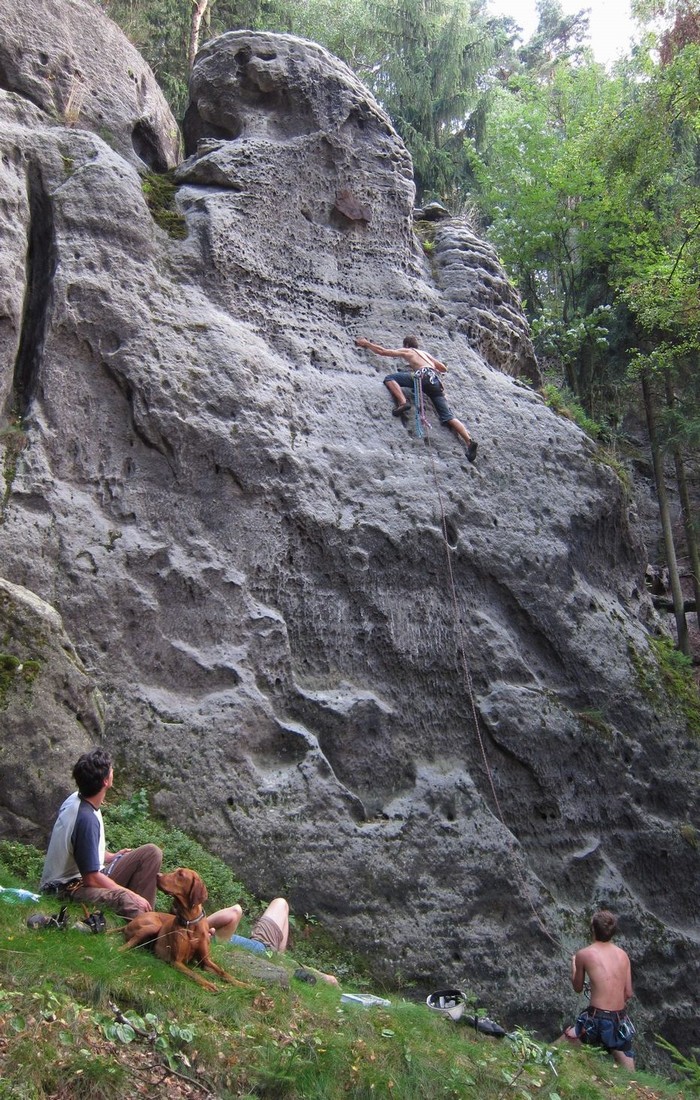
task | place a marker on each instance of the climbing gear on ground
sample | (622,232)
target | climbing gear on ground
(42,920)
(471,451)
(366,1000)
(92,922)
(401,409)
(449,1002)
(487,1027)
(62,889)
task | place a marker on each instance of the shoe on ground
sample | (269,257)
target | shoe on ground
(303,975)
(471,451)
(401,409)
(42,920)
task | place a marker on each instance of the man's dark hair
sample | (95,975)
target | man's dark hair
(91,770)
(410,341)
(604,925)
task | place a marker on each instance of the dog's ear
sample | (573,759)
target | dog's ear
(198,891)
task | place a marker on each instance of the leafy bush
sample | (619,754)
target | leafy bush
(688,1067)
(129,824)
(22,861)
(677,674)
(565,403)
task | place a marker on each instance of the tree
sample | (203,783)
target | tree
(199,10)
(543,189)
(559,37)
(434,53)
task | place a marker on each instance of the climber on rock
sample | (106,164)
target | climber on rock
(427,370)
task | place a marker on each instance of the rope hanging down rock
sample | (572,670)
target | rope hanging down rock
(423,426)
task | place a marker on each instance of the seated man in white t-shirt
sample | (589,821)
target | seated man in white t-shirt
(77,863)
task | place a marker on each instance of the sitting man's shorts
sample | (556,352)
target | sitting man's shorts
(611,1030)
(265,935)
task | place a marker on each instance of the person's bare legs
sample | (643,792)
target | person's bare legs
(396,392)
(278,911)
(459,429)
(224,922)
(623,1060)
(569,1035)
(619,1056)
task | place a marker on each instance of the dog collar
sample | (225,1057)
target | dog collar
(196,920)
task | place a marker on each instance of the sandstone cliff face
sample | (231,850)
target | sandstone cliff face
(285,595)
(50,712)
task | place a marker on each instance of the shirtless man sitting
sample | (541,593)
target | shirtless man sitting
(605,1022)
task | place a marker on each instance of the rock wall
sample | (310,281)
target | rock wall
(51,713)
(332,648)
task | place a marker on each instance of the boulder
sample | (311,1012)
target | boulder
(74,64)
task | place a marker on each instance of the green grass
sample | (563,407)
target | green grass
(82,1020)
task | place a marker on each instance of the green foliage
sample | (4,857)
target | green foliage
(688,1067)
(563,402)
(159,191)
(543,188)
(608,456)
(589,183)
(23,862)
(169,1040)
(531,1055)
(677,675)
(668,677)
(129,824)
(426,69)
(159,29)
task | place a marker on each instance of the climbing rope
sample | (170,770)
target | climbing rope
(424,425)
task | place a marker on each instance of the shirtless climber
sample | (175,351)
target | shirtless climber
(605,1022)
(428,370)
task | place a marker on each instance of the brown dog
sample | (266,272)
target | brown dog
(181,936)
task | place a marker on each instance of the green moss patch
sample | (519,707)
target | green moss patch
(159,192)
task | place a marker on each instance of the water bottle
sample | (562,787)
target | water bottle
(14,895)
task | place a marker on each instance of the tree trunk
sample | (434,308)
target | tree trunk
(198,12)
(665,514)
(690,535)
